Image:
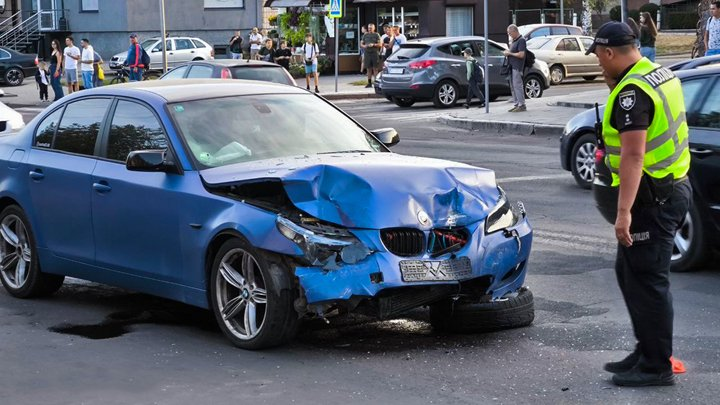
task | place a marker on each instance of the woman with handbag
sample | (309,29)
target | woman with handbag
(310,54)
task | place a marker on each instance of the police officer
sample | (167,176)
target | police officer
(646,140)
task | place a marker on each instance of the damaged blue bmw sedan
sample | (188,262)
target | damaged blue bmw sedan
(261,202)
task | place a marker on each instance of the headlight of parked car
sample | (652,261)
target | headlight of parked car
(502,216)
(323,245)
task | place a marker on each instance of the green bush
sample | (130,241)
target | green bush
(616,14)
(325,66)
(652,9)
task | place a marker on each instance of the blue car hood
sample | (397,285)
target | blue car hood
(374,190)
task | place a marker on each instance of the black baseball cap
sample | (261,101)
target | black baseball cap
(613,33)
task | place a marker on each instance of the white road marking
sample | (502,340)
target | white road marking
(562,242)
(533,178)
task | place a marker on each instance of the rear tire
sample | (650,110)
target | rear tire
(19,263)
(582,160)
(446,94)
(690,248)
(252,296)
(403,102)
(467,317)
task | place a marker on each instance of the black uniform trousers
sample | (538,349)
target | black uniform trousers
(643,274)
(474,90)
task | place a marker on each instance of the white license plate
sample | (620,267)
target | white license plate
(435,270)
(395,71)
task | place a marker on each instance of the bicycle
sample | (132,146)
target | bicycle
(122,75)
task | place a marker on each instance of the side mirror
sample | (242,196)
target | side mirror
(157,49)
(388,136)
(153,160)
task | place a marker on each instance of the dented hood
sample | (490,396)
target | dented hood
(374,190)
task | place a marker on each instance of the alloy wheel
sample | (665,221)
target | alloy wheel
(241,294)
(446,94)
(683,238)
(14,77)
(557,75)
(585,161)
(15,252)
(533,88)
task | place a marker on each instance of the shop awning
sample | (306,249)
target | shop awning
(289,3)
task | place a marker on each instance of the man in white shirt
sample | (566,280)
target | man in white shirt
(712,30)
(256,40)
(72,55)
(398,39)
(86,68)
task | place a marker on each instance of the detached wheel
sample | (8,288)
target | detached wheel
(14,77)
(462,317)
(19,264)
(403,102)
(446,94)
(589,78)
(689,250)
(582,160)
(557,74)
(251,297)
(533,87)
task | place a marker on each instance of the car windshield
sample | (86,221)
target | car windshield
(223,131)
(408,51)
(538,42)
(275,74)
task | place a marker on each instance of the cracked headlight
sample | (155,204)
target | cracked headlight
(502,216)
(323,245)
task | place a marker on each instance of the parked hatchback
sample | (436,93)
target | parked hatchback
(565,54)
(232,69)
(179,50)
(531,31)
(433,69)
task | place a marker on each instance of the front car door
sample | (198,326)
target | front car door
(591,65)
(571,57)
(60,165)
(156,61)
(452,63)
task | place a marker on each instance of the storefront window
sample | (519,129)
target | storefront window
(349,28)
(411,23)
(407,18)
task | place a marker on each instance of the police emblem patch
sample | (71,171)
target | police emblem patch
(627,100)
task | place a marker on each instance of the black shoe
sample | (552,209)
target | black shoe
(482,105)
(638,378)
(317,90)
(308,88)
(466,105)
(369,85)
(623,365)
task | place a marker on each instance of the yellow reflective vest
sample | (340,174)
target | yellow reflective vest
(666,148)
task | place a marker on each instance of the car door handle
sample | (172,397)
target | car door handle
(701,152)
(102,187)
(37,174)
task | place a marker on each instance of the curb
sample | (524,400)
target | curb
(349,96)
(509,127)
(570,104)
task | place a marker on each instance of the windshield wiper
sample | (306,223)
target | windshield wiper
(345,151)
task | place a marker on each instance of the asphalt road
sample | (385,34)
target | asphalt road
(128,348)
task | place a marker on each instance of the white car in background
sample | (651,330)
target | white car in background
(179,50)
(565,54)
(10,120)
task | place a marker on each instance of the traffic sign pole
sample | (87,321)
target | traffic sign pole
(336,12)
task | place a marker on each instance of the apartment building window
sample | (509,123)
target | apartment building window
(92,6)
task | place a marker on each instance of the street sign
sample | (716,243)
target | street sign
(336,9)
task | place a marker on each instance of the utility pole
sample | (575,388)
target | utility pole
(163,36)
(562,11)
(623,10)
(486,79)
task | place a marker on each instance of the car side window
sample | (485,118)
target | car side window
(176,73)
(182,44)
(559,30)
(495,51)
(587,43)
(691,90)
(200,72)
(46,130)
(560,46)
(133,127)
(708,116)
(198,44)
(5,54)
(571,44)
(540,32)
(80,125)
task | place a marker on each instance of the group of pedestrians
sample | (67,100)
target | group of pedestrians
(64,62)
(376,48)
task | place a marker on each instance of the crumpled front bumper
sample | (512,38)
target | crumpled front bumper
(501,257)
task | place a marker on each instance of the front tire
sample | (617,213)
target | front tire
(446,94)
(533,87)
(689,250)
(19,265)
(582,160)
(469,317)
(557,74)
(251,296)
(14,77)
(403,102)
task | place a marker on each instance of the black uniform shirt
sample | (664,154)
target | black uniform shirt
(633,109)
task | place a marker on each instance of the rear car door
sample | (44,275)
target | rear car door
(184,50)
(60,165)
(704,120)
(451,64)
(590,62)
(571,57)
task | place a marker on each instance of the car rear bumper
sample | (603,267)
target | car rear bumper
(408,90)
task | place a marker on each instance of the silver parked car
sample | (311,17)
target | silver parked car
(565,54)
(531,31)
(179,50)
(433,69)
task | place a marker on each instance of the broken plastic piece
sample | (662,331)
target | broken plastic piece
(677,366)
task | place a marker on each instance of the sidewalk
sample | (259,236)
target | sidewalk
(544,116)
(346,90)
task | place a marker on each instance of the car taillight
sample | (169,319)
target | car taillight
(36,61)
(225,74)
(423,64)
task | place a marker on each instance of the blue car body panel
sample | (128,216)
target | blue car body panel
(151,232)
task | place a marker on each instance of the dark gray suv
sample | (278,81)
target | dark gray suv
(433,69)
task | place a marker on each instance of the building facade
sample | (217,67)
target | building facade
(107,23)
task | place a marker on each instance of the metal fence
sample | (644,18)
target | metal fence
(543,16)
